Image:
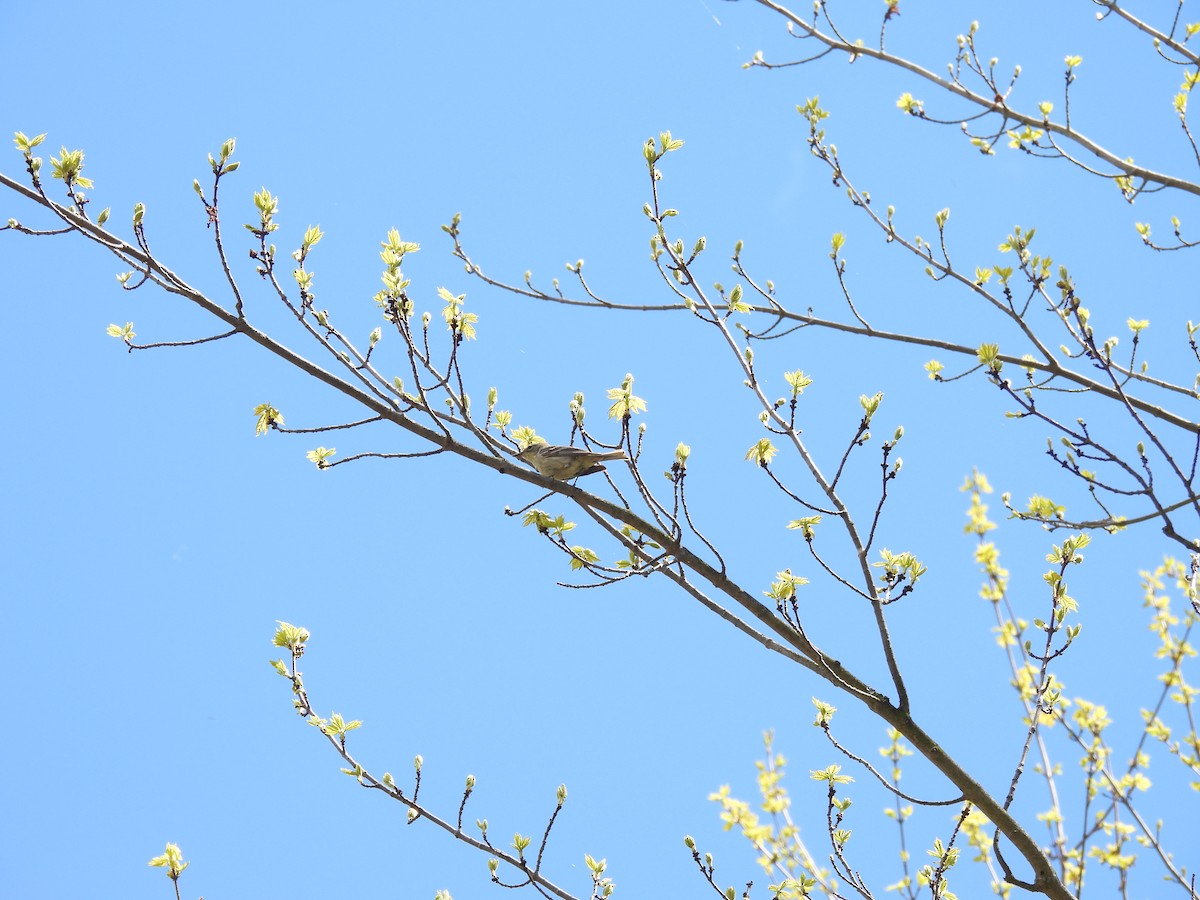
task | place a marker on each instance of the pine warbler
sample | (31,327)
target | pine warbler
(564,463)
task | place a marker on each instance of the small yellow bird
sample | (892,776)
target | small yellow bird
(565,463)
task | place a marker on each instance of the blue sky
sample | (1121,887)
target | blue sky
(151,541)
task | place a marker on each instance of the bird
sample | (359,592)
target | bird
(565,463)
